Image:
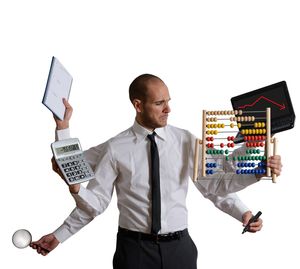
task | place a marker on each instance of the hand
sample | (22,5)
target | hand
(274,162)
(254,226)
(56,169)
(46,244)
(63,124)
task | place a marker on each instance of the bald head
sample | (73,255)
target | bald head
(139,86)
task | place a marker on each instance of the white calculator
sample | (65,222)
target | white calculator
(70,159)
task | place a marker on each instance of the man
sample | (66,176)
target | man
(149,165)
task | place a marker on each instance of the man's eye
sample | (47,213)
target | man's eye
(159,103)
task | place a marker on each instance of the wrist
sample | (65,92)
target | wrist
(74,189)
(62,126)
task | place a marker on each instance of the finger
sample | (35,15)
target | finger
(277,172)
(275,160)
(275,165)
(32,245)
(55,167)
(276,168)
(44,251)
(255,229)
(275,157)
(246,218)
(67,104)
(245,222)
(256,224)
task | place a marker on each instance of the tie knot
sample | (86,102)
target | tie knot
(152,137)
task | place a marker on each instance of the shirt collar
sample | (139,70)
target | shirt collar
(141,132)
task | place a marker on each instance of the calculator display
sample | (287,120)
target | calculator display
(71,161)
(66,149)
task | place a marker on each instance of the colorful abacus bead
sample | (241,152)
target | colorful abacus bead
(230,145)
(211,165)
(209,171)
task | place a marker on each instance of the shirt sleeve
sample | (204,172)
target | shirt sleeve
(224,180)
(229,203)
(93,199)
(220,188)
(76,220)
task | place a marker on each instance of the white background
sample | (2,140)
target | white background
(205,51)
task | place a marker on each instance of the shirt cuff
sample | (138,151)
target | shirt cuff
(62,134)
(238,210)
(62,233)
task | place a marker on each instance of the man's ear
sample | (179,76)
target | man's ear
(137,105)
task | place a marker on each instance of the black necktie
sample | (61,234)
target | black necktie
(155,183)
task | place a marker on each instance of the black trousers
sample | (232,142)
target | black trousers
(137,253)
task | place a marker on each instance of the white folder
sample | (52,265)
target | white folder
(58,87)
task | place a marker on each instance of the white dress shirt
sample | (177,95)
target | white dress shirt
(123,163)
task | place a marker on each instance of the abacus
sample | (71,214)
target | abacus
(218,132)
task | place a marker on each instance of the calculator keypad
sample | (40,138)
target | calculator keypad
(75,168)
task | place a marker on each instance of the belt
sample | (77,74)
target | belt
(154,237)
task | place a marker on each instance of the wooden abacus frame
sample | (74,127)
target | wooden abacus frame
(269,140)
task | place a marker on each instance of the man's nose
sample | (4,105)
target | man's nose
(167,109)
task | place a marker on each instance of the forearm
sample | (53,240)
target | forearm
(76,221)
(91,201)
(229,204)
(222,183)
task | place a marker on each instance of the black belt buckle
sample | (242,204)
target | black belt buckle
(167,237)
(175,236)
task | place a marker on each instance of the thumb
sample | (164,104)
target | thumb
(246,217)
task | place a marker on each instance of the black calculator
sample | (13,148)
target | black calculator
(71,161)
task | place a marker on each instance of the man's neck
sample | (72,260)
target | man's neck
(143,125)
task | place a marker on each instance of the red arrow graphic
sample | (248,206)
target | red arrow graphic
(281,107)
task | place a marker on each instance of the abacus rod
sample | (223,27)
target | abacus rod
(257,118)
(219,145)
(220,132)
(220,138)
(274,153)
(268,140)
(203,139)
(208,158)
(214,112)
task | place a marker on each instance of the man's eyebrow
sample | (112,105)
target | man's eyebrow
(160,101)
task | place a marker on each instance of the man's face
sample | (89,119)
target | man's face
(155,108)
